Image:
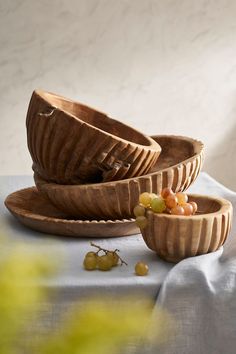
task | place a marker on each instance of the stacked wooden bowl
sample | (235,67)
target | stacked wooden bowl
(91,166)
(177,167)
(89,170)
(71,143)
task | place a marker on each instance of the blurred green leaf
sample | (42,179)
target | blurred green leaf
(101,327)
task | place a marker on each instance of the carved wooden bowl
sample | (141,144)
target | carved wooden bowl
(178,166)
(32,210)
(71,143)
(175,237)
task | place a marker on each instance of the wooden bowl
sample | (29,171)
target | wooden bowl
(178,166)
(175,237)
(71,143)
(34,211)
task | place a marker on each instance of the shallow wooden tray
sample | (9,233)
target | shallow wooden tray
(177,167)
(175,237)
(70,142)
(33,211)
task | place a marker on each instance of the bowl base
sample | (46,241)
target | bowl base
(171,259)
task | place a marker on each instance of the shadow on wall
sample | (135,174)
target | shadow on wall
(222,164)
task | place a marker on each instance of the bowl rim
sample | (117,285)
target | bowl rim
(152,145)
(225,207)
(198,150)
(30,214)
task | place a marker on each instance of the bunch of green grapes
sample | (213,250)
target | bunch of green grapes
(168,202)
(109,259)
(104,261)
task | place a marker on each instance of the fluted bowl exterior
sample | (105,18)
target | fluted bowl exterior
(71,143)
(175,237)
(180,163)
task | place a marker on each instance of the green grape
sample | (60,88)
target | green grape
(113,256)
(158,205)
(91,254)
(104,262)
(90,262)
(145,199)
(139,210)
(141,268)
(141,221)
(153,195)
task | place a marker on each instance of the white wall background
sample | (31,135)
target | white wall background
(164,66)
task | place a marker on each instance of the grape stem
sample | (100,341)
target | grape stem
(105,250)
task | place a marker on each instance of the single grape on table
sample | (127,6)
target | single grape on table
(141,269)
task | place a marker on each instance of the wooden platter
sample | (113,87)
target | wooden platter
(37,213)
(175,237)
(177,167)
(70,142)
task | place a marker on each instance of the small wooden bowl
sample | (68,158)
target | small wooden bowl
(175,237)
(71,143)
(178,166)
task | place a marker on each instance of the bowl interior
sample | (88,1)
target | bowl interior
(96,119)
(206,205)
(30,201)
(174,150)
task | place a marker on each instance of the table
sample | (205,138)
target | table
(178,288)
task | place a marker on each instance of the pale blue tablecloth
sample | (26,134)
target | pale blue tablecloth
(199,293)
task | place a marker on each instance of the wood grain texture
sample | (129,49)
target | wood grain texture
(71,143)
(174,237)
(35,212)
(177,167)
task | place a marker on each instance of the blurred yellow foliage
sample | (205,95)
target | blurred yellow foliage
(101,327)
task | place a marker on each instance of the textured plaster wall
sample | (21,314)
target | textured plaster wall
(164,66)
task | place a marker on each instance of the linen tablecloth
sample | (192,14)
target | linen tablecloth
(199,293)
